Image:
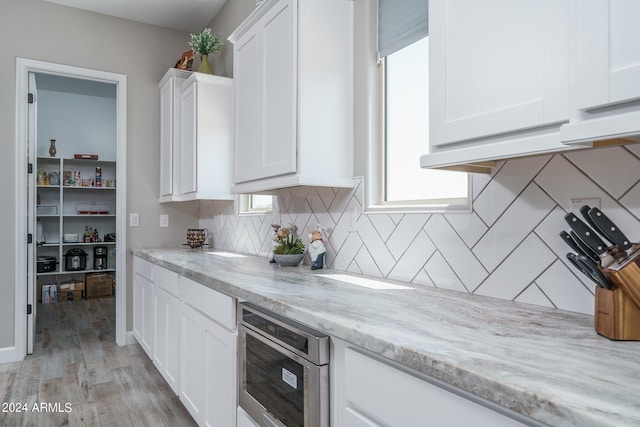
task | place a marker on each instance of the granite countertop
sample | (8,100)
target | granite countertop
(547,364)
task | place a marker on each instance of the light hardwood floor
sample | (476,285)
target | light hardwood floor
(77,363)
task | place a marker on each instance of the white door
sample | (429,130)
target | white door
(265,61)
(32,302)
(167,332)
(188,139)
(496,66)
(608,52)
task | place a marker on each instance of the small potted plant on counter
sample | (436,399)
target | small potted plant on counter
(289,252)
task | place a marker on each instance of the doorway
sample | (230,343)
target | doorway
(66,208)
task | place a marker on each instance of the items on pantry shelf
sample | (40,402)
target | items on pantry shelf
(91,235)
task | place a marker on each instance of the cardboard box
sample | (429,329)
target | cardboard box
(49,293)
(70,290)
(99,285)
(72,285)
(69,296)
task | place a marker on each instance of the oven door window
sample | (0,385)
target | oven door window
(275,381)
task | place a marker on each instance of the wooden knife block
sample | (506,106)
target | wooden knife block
(628,279)
(616,317)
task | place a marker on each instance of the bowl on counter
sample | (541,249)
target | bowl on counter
(288,260)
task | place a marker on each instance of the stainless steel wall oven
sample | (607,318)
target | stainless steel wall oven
(283,370)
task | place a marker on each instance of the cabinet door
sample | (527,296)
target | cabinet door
(207,369)
(496,66)
(265,85)
(166,138)
(370,385)
(166,340)
(220,376)
(143,315)
(186,169)
(608,52)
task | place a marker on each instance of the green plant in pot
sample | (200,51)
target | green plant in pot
(289,252)
(206,43)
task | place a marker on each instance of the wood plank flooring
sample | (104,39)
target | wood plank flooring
(78,376)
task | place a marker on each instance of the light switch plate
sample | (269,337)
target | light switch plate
(164,220)
(576,204)
(134,220)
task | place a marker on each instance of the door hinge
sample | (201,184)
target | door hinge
(30,168)
(30,98)
(29,238)
(29,308)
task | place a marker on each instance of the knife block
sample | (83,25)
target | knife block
(617,316)
(628,279)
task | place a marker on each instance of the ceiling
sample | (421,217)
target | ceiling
(186,15)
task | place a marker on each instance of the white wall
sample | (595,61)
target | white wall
(508,247)
(47,32)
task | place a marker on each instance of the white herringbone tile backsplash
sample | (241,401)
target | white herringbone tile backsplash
(508,247)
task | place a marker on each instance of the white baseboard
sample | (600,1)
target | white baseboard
(10,355)
(131,338)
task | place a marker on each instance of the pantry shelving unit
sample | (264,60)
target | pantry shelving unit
(60,206)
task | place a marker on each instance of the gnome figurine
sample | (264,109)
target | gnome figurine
(317,248)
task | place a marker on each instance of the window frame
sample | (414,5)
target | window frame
(377,173)
(245,205)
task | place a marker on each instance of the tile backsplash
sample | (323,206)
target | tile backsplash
(508,247)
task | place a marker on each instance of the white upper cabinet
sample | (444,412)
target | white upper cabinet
(198,161)
(293,74)
(169,117)
(607,71)
(511,78)
(499,73)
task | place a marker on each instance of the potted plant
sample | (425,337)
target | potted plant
(289,252)
(204,44)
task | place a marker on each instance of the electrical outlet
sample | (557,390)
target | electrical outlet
(352,218)
(164,220)
(576,204)
(134,220)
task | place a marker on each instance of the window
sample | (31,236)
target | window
(256,204)
(405,136)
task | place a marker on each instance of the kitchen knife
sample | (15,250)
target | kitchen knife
(589,238)
(574,260)
(584,211)
(608,229)
(584,249)
(590,269)
(572,240)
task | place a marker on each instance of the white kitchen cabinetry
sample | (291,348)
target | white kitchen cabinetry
(198,121)
(208,386)
(143,312)
(607,89)
(499,79)
(166,305)
(363,387)
(293,95)
(169,127)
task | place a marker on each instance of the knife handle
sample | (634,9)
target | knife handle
(586,234)
(609,230)
(584,211)
(584,249)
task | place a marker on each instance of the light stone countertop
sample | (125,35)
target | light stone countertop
(547,364)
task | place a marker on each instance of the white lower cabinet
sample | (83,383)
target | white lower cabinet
(189,332)
(143,321)
(368,392)
(207,369)
(166,325)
